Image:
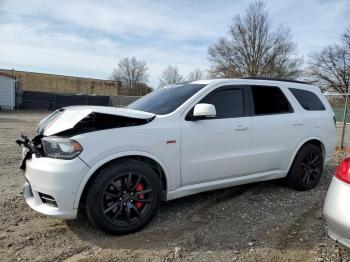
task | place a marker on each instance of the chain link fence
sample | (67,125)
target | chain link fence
(340,105)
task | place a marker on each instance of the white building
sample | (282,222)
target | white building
(7,92)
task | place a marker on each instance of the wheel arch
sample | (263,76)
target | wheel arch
(312,140)
(154,162)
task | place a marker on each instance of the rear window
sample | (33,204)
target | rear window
(308,100)
(269,100)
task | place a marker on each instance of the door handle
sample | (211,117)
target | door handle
(241,127)
(298,123)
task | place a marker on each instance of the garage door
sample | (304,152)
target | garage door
(7,93)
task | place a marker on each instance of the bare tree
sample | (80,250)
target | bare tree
(196,74)
(131,72)
(252,49)
(170,75)
(330,68)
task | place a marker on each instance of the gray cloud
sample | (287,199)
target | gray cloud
(89,37)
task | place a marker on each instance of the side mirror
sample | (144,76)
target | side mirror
(203,111)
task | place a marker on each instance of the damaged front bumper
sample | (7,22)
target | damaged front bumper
(30,147)
(35,202)
(52,184)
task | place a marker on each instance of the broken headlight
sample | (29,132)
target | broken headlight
(61,148)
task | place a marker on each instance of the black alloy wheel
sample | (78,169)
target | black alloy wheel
(123,197)
(311,166)
(127,199)
(306,169)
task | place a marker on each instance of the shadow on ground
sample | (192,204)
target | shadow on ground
(260,214)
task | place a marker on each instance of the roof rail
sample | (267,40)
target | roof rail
(276,79)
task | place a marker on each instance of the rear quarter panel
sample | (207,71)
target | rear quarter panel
(317,124)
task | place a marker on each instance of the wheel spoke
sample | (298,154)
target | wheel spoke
(117,213)
(111,195)
(137,182)
(128,181)
(304,164)
(312,175)
(307,179)
(315,160)
(128,215)
(315,172)
(304,177)
(116,186)
(146,191)
(311,156)
(137,212)
(110,208)
(318,163)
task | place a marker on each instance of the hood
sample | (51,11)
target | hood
(108,117)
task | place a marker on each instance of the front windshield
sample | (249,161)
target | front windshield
(165,100)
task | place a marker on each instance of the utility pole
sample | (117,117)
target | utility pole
(344,117)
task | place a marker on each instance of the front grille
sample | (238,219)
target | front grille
(48,200)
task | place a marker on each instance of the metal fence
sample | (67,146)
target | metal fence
(123,101)
(52,101)
(340,105)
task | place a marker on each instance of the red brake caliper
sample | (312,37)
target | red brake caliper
(139,188)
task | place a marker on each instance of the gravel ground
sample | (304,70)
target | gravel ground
(263,221)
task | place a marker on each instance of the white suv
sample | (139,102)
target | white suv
(120,163)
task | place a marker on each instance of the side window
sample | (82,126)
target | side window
(269,100)
(308,100)
(228,102)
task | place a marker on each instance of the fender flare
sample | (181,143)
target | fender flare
(109,158)
(300,146)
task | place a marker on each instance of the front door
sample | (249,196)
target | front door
(217,148)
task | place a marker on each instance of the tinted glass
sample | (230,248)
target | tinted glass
(270,100)
(307,99)
(165,100)
(228,102)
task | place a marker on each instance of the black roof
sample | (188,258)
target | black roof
(276,79)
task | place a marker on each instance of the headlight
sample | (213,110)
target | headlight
(61,148)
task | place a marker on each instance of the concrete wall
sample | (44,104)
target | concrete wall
(30,81)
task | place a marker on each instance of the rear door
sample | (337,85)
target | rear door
(217,148)
(277,130)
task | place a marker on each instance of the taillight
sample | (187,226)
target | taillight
(343,171)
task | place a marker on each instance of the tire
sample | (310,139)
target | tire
(307,167)
(124,197)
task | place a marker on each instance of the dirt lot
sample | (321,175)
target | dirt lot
(264,221)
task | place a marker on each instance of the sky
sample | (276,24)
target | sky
(88,38)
